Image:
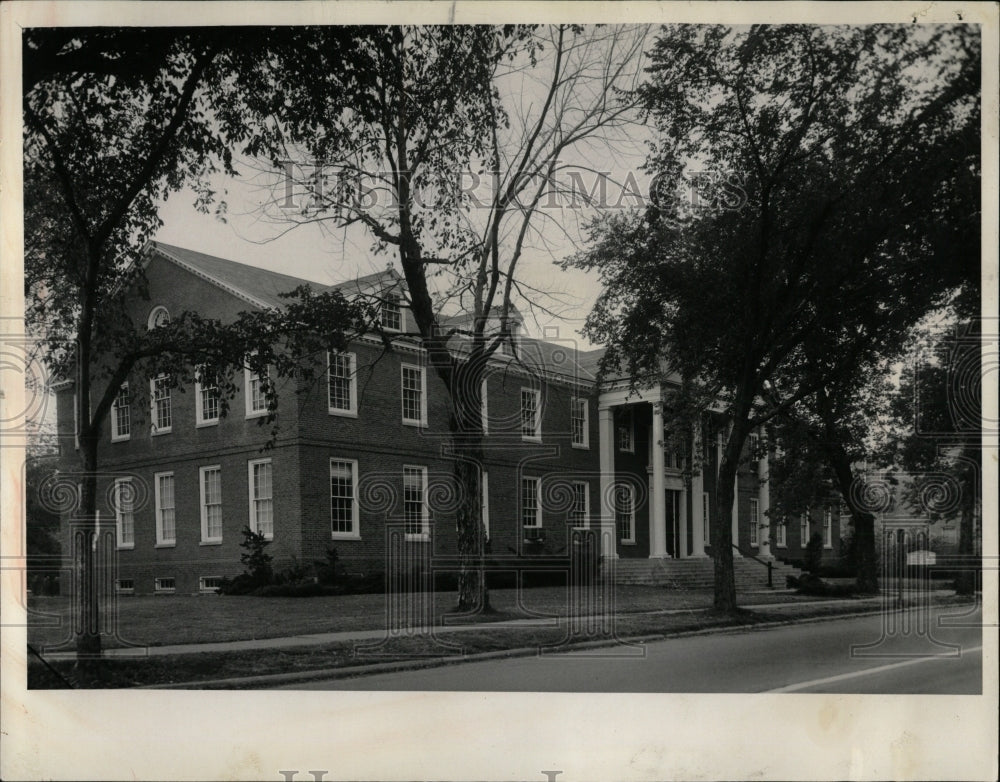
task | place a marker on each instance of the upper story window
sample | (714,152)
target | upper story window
(580,423)
(509,345)
(256,399)
(753,446)
(625,431)
(158,316)
(162,414)
(531,414)
(414,395)
(206,392)
(342,386)
(391,313)
(120,419)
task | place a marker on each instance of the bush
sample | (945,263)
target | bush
(326,569)
(814,554)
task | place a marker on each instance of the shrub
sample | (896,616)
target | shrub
(814,553)
(256,560)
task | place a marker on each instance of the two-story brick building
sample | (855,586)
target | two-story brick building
(365,450)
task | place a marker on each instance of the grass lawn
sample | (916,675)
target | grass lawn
(175,619)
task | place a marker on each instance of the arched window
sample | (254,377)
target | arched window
(158,317)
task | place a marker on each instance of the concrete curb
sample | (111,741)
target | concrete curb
(249,682)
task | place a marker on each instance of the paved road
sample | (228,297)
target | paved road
(813,657)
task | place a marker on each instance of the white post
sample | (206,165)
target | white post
(734,515)
(763,508)
(606,446)
(697,490)
(682,526)
(657,499)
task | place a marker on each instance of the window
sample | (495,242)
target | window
(261,497)
(164,584)
(580,423)
(209,584)
(624,432)
(414,395)
(804,529)
(579,512)
(160,396)
(509,345)
(781,536)
(206,392)
(753,446)
(484,408)
(531,507)
(705,517)
(754,520)
(625,512)
(125,585)
(828,529)
(486,503)
(342,385)
(415,516)
(124,512)
(531,419)
(166,527)
(211,504)
(391,315)
(343,498)
(120,420)
(256,399)
(158,316)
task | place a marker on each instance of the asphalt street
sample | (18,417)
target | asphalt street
(935,651)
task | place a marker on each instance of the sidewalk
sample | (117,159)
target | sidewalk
(317,639)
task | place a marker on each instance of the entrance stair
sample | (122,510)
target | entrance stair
(696,573)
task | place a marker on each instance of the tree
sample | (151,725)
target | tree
(115,120)
(439,108)
(840,158)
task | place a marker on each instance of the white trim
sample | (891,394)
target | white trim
(355,531)
(252,521)
(207,590)
(423,395)
(828,529)
(573,402)
(352,368)
(631,494)
(706,517)
(384,297)
(630,447)
(119,545)
(586,503)
(537,393)
(116,436)
(425,533)
(154,313)
(163,589)
(154,430)
(804,527)
(161,540)
(754,522)
(248,375)
(781,534)
(484,406)
(210,278)
(538,503)
(123,590)
(199,417)
(205,538)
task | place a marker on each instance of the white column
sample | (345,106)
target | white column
(682,524)
(735,515)
(657,498)
(606,445)
(764,506)
(697,489)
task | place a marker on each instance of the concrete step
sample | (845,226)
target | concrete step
(695,573)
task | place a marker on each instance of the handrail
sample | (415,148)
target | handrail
(766,562)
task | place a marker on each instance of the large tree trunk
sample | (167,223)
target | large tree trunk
(83,542)
(722,538)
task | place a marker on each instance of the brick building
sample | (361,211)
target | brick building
(364,452)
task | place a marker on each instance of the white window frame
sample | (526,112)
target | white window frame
(631,516)
(162,541)
(154,429)
(250,376)
(120,542)
(706,516)
(164,589)
(536,492)
(485,502)
(154,315)
(124,590)
(351,411)
(753,445)
(116,435)
(387,297)
(199,407)
(484,406)
(781,534)
(207,539)
(354,533)
(585,485)
(804,530)
(252,510)
(425,521)
(623,447)
(754,521)
(580,403)
(828,529)
(535,393)
(423,394)
(204,588)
